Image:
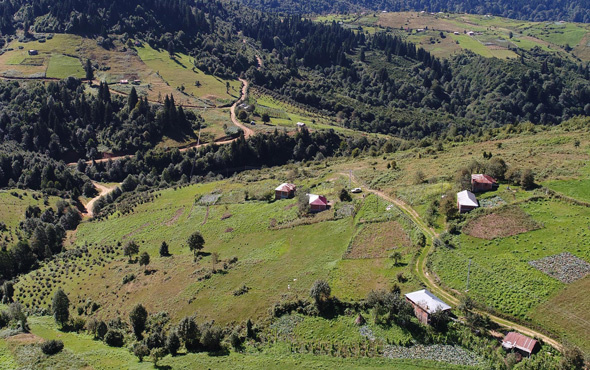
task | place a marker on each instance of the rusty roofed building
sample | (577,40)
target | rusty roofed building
(521,343)
(425,304)
(481,182)
(285,191)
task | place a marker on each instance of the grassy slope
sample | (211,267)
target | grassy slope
(493,38)
(81,349)
(12,210)
(52,53)
(311,252)
(181,72)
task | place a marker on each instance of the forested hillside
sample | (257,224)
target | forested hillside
(375,83)
(537,10)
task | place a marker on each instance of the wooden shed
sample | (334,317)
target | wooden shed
(425,304)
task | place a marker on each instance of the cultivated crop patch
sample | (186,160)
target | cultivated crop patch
(565,267)
(500,224)
(377,240)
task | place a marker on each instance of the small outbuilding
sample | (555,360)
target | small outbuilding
(521,343)
(425,304)
(300,124)
(317,203)
(481,182)
(466,201)
(123,82)
(33,52)
(285,191)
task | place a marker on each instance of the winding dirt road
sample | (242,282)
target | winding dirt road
(247,130)
(103,190)
(422,270)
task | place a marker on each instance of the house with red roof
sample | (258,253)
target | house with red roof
(317,203)
(520,343)
(285,191)
(481,182)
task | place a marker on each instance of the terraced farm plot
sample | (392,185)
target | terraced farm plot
(378,240)
(508,221)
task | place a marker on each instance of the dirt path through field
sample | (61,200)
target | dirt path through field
(103,190)
(430,281)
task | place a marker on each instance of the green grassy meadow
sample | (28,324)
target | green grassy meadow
(180,71)
(62,66)
(12,210)
(494,36)
(265,237)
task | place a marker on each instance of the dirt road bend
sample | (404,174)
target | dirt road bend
(103,190)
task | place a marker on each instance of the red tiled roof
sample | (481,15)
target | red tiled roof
(519,341)
(483,179)
(286,187)
(318,200)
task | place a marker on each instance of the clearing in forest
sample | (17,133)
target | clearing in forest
(506,222)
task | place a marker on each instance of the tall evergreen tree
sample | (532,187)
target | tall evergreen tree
(60,307)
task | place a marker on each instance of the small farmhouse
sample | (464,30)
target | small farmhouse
(123,82)
(466,201)
(481,182)
(285,191)
(33,52)
(425,304)
(521,343)
(300,124)
(317,203)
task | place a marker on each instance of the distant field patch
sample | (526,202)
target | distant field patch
(377,240)
(37,61)
(503,223)
(578,189)
(565,267)
(63,66)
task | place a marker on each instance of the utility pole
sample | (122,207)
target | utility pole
(468,271)
(349,179)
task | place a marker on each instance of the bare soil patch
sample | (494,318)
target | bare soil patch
(25,338)
(565,267)
(503,223)
(377,240)
(175,218)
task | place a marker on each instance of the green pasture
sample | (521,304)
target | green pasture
(62,66)
(500,276)
(180,71)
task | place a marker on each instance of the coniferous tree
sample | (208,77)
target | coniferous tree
(60,307)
